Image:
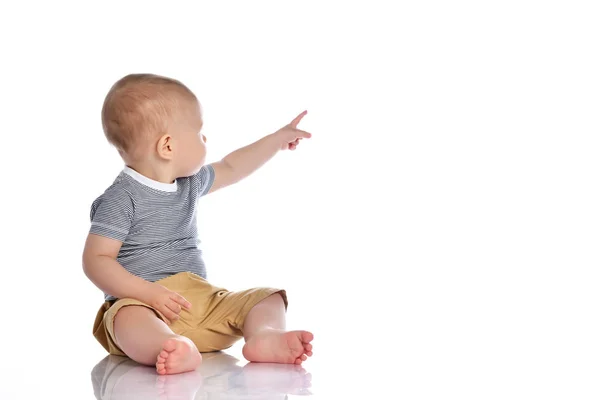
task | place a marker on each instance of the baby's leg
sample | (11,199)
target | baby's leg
(148,340)
(266,337)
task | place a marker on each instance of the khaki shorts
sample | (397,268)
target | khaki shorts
(214,322)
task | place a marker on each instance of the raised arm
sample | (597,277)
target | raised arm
(243,162)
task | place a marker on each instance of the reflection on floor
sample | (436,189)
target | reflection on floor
(219,377)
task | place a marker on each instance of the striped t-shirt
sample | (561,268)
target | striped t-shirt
(155,221)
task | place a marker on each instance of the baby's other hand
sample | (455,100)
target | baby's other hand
(166,301)
(290,135)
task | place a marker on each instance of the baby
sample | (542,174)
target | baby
(142,248)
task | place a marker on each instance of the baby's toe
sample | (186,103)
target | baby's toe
(307,337)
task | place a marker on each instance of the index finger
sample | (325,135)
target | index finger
(297,120)
(176,297)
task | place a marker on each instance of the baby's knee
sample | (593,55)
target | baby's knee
(132,312)
(130,316)
(274,300)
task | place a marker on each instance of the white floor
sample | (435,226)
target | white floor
(433,353)
(221,376)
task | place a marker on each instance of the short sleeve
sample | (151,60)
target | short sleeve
(205,178)
(112,215)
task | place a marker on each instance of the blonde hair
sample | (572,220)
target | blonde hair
(139,107)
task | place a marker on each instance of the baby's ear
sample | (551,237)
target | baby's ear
(164,147)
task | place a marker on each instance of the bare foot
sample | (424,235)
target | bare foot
(178,355)
(279,347)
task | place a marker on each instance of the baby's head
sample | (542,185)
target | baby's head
(154,120)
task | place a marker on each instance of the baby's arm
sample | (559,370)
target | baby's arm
(242,162)
(102,268)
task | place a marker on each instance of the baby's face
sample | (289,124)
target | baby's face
(191,143)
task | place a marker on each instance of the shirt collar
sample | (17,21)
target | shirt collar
(144,180)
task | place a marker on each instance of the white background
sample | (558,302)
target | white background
(439,233)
